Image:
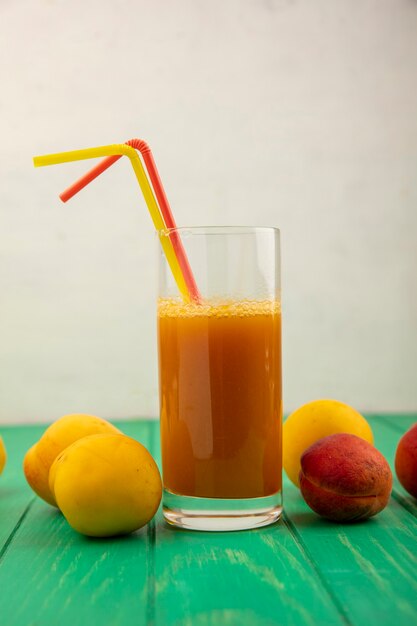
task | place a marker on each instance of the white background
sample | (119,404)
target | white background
(296,114)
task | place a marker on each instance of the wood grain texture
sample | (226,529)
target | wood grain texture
(368,567)
(301,571)
(49,574)
(246,578)
(249,578)
(16,496)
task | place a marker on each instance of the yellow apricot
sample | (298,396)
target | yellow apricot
(315,420)
(106,485)
(3,455)
(55,439)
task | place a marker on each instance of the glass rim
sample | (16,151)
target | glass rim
(219,230)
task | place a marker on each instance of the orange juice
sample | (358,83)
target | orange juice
(220,398)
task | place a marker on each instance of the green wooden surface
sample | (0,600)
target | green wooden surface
(302,570)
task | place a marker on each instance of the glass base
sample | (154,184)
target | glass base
(219,514)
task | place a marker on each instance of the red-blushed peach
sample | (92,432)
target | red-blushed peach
(344,478)
(406,461)
(313,421)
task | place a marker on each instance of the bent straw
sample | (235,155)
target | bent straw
(142,146)
(123,149)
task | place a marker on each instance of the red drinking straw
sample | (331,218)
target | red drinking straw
(161,196)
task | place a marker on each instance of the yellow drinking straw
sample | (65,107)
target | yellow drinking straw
(111,150)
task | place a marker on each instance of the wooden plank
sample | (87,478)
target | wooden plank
(251,578)
(51,575)
(369,566)
(15,494)
(400,423)
(304,571)
(248,578)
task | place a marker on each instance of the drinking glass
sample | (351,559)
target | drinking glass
(220,381)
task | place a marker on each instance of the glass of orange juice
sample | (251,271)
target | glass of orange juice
(220,381)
